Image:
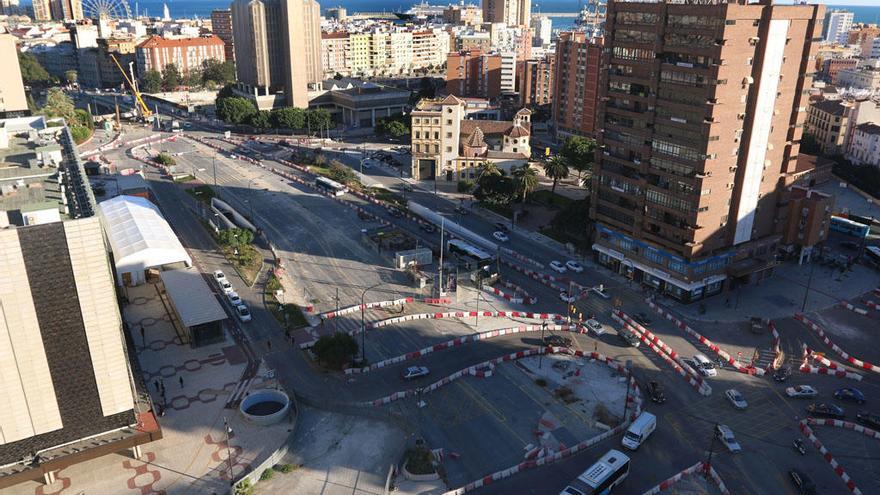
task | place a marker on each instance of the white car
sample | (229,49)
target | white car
(219,275)
(500,236)
(415,372)
(801,392)
(725,434)
(736,398)
(243,313)
(565,296)
(595,326)
(225,286)
(574,266)
(233,298)
(557,266)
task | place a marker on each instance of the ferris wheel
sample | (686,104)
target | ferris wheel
(111,9)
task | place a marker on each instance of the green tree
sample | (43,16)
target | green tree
(335,350)
(495,190)
(579,152)
(58,104)
(339,172)
(488,169)
(151,81)
(165,159)
(171,78)
(217,71)
(809,144)
(289,118)
(394,127)
(526,180)
(32,73)
(235,237)
(192,79)
(557,169)
(260,120)
(83,118)
(318,119)
(235,110)
(71,76)
(80,133)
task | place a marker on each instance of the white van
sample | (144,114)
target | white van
(705,366)
(639,431)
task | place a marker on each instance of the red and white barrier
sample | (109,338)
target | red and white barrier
(777,351)
(549,280)
(702,468)
(826,454)
(664,351)
(519,296)
(849,306)
(749,370)
(520,257)
(851,360)
(357,307)
(456,342)
(437,300)
(873,305)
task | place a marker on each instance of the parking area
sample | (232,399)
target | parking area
(493,423)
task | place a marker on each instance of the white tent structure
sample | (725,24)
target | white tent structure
(140,238)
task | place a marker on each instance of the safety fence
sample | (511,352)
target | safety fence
(821,333)
(804,426)
(702,468)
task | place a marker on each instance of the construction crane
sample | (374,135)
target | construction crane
(139,102)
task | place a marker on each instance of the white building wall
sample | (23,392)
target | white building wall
(839,26)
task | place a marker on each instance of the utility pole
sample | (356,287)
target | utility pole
(809,283)
(541,346)
(711,446)
(214,166)
(336,317)
(479,294)
(227,430)
(440,276)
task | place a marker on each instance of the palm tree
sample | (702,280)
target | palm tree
(526,180)
(488,168)
(556,168)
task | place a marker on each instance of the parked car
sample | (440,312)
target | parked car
(629,337)
(501,226)
(869,419)
(850,394)
(243,313)
(500,236)
(782,374)
(219,275)
(801,392)
(574,266)
(655,392)
(642,319)
(429,228)
(396,213)
(557,340)
(460,210)
(704,365)
(415,372)
(595,326)
(225,286)
(565,296)
(803,482)
(826,410)
(557,266)
(725,434)
(736,398)
(233,298)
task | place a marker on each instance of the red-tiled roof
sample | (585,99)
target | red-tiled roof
(334,35)
(518,131)
(157,41)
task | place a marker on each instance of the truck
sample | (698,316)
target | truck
(639,431)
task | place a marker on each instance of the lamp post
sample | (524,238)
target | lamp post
(227,430)
(541,356)
(214,166)
(363,323)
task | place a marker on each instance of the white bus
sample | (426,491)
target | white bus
(330,186)
(602,477)
(873,253)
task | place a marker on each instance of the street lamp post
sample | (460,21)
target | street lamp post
(363,323)
(227,430)
(541,345)
(214,166)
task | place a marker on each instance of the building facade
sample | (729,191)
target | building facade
(12,97)
(576,84)
(692,152)
(826,122)
(463,15)
(536,81)
(838,26)
(831,68)
(187,54)
(42,11)
(864,148)
(221,26)
(473,74)
(866,77)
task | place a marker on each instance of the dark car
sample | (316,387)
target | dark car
(803,482)
(429,228)
(501,226)
(850,244)
(557,340)
(642,319)
(655,392)
(850,394)
(826,410)
(782,374)
(628,337)
(869,419)
(396,213)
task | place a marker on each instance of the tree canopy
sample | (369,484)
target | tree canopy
(235,237)
(260,120)
(151,81)
(392,126)
(217,71)
(579,152)
(525,179)
(235,109)
(495,190)
(335,350)
(58,104)
(31,70)
(289,118)
(171,77)
(557,169)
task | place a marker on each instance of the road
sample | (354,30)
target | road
(292,215)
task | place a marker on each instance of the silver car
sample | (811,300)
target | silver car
(736,398)
(725,434)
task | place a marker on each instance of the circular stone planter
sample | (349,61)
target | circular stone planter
(265,407)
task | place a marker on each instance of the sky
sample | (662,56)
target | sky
(861,3)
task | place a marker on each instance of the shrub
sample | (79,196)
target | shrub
(80,133)
(540,382)
(165,159)
(285,468)
(466,186)
(244,488)
(419,460)
(335,350)
(267,474)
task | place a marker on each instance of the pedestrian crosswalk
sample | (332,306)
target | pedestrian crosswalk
(238,393)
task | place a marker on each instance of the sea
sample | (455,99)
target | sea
(203,8)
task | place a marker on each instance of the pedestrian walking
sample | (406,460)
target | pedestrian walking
(180,379)
(269,345)
(595,346)
(157,385)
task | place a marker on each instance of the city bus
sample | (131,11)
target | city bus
(873,254)
(330,186)
(848,227)
(480,263)
(600,478)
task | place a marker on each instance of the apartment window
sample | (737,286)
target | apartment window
(654,256)
(668,201)
(448,135)
(683,78)
(677,150)
(418,135)
(436,134)
(448,121)
(633,53)
(449,149)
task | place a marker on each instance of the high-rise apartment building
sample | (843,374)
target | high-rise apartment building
(277,49)
(221,26)
(536,81)
(12,98)
(576,84)
(42,10)
(473,74)
(701,109)
(838,26)
(543,28)
(64,10)
(510,12)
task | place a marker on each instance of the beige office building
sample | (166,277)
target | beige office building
(277,49)
(12,97)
